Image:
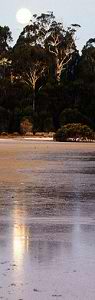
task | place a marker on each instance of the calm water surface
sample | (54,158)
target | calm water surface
(47,220)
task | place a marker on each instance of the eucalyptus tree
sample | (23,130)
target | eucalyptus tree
(29,66)
(42,46)
(61,45)
(88,59)
(5,62)
(51,35)
(86,79)
(29,58)
(5,40)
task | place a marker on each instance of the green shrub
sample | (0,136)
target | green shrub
(25,126)
(74,132)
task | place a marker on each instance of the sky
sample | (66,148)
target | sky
(67,11)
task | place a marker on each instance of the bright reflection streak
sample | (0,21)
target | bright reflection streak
(20,241)
(20,238)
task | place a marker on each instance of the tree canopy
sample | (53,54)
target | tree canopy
(44,78)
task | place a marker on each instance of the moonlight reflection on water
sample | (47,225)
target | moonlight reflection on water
(20,242)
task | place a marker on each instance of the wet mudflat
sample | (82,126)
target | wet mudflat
(47,220)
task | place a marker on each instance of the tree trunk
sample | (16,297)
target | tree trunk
(58,70)
(33,103)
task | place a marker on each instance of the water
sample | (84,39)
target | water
(47,220)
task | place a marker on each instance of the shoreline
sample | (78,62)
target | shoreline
(33,138)
(41,138)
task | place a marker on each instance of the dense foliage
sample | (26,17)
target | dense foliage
(74,132)
(44,81)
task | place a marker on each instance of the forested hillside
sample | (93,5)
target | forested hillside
(44,82)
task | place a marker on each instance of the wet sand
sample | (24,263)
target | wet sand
(47,220)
